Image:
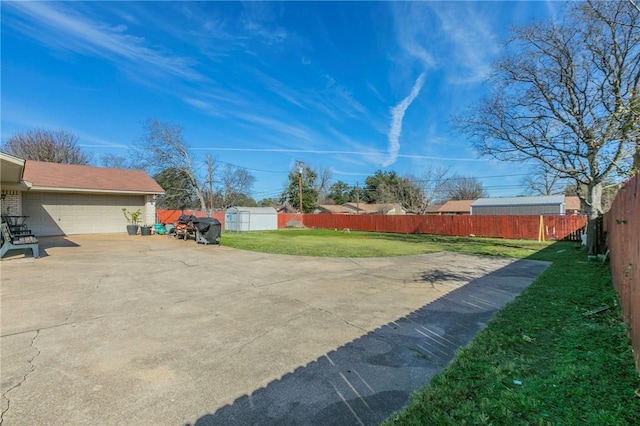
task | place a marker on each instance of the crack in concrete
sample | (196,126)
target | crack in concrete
(54,326)
(32,368)
(186,264)
(354,262)
(271,283)
(331,314)
(266,333)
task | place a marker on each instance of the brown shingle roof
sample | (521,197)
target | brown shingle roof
(335,208)
(374,208)
(73,176)
(433,208)
(457,206)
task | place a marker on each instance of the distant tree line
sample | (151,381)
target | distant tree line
(383,187)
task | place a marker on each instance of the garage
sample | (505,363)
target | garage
(53,213)
(68,199)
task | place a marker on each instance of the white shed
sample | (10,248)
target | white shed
(250,219)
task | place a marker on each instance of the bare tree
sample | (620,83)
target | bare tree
(323,182)
(463,188)
(432,184)
(544,181)
(53,146)
(162,146)
(235,186)
(116,161)
(567,97)
(409,194)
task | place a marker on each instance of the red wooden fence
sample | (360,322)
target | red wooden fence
(286,220)
(622,225)
(503,226)
(516,227)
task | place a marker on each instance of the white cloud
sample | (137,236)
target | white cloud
(412,31)
(472,43)
(428,157)
(274,126)
(397,116)
(56,26)
(259,19)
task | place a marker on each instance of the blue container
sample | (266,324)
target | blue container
(160,229)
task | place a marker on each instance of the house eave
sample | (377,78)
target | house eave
(20,186)
(92,191)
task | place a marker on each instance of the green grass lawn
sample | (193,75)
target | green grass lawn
(328,243)
(547,358)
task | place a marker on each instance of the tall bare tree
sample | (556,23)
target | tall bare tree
(162,147)
(408,194)
(462,188)
(235,187)
(324,175)
(116,161)
(544,181)
(567,97)
(54,146)
(432,184)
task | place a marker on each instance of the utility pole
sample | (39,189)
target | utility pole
(357,199)
(299,164)
(210,169)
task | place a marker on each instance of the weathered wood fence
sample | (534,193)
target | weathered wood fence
(503,226)
(622,228)
(516,227)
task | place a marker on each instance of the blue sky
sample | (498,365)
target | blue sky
(351,86)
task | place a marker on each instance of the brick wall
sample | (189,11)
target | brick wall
(11,203)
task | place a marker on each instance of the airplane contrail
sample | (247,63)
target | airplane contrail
(397,115)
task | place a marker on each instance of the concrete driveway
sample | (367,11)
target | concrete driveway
(113,329)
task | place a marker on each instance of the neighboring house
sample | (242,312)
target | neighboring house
(543,205)
(456,207)
(333,209)
(66,199)
(387,209)
(433,209)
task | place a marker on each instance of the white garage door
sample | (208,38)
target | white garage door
(66,214)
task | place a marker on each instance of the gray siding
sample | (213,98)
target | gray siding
(516,210)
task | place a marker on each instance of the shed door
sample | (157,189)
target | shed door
(53,213)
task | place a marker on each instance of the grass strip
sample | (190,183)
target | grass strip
(557,355)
